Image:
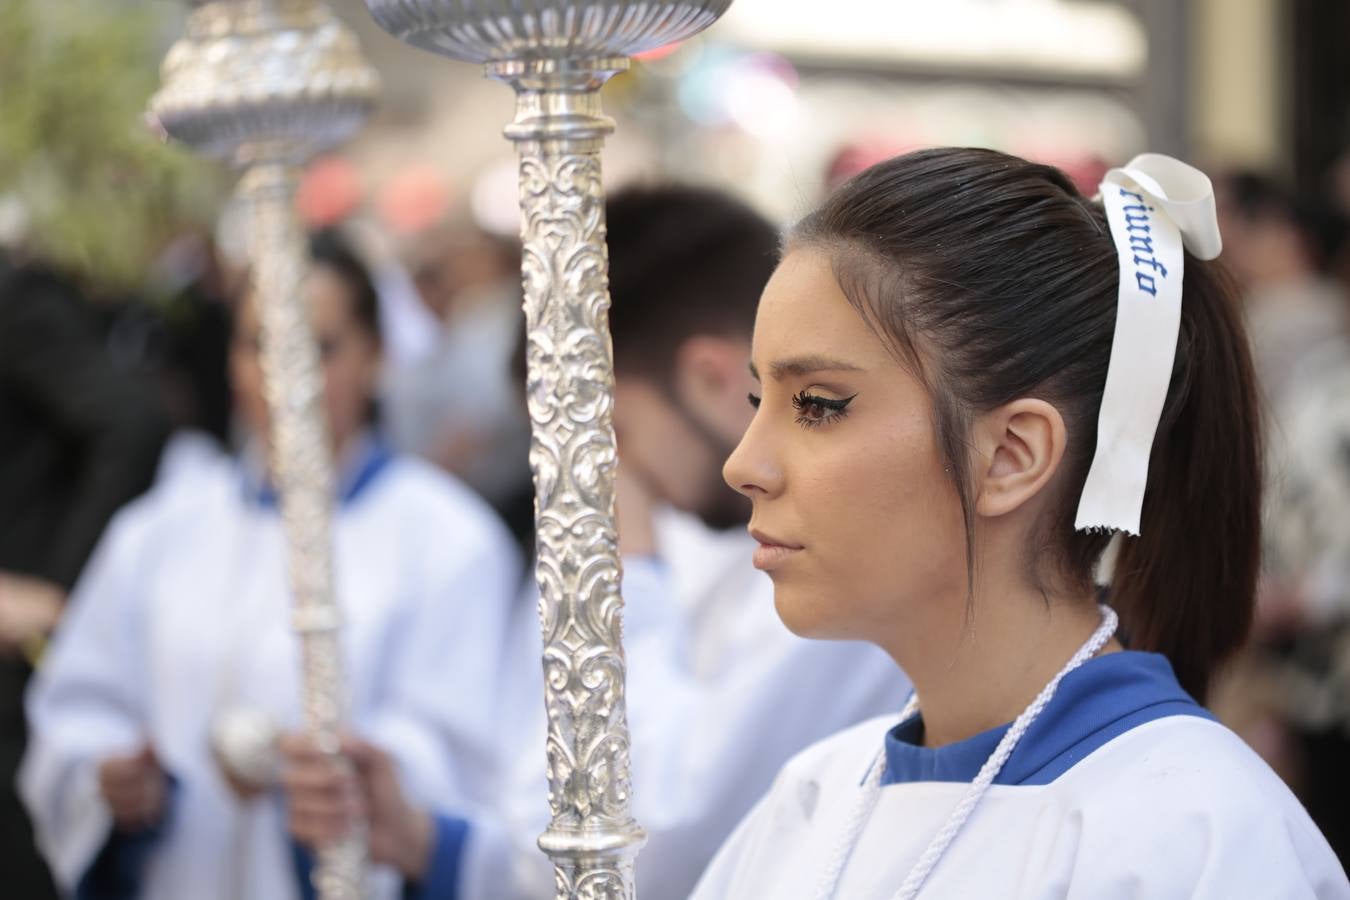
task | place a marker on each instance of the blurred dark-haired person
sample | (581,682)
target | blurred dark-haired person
(1291,303)
(79,438)
(152,769)
(720,693)
(1291,696)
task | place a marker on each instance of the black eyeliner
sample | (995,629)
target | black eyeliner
(803,399)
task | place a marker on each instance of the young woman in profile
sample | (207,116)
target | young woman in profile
(972,378)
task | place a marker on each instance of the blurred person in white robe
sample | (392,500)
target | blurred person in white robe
(720,693)
(152,771)
(456,405)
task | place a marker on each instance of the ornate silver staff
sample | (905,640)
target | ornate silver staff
(557,54)
(264,85)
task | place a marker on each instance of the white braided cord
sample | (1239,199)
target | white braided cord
(862,811)
(871,788)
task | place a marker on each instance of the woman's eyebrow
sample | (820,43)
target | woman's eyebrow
(798,366)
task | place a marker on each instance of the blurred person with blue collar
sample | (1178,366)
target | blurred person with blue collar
(152,771)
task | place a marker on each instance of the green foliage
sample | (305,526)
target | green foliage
(101,192)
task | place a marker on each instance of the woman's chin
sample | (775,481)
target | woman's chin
(803,615)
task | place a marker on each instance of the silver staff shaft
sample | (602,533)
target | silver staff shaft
(302,465)
(558,131)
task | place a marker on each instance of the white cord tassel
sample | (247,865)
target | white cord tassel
(871,789)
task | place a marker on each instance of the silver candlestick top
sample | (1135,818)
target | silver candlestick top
(500,30)
(264,79)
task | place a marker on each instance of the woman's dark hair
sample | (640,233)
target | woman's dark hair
(992,279)
(330,249)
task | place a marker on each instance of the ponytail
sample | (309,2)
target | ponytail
(1186,587)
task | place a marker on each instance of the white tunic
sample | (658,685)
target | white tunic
(185,610)
(1103,801)
(720,694)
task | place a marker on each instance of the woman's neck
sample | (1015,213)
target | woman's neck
(979,667)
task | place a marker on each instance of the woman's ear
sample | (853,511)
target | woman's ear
(1019,447)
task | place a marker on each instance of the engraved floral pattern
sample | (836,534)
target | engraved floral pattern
(570,392)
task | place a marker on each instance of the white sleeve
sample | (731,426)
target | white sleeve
(87,701)
(1217,856)
(1233,831)
(436,712)
(1271,855)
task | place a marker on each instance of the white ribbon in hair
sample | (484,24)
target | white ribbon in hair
(1156,205)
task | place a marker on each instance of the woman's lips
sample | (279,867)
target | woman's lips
(771,552)
(770,556)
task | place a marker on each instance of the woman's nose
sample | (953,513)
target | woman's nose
(751,468)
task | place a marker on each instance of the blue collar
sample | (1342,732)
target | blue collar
(370,458)
(1102,699)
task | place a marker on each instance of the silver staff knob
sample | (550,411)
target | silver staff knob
(264,81)
(557,55)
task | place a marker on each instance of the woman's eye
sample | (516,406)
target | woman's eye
(754,400)
(813,410)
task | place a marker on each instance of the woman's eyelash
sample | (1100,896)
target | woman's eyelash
(813,410)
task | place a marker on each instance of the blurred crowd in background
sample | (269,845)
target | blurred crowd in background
(122,269)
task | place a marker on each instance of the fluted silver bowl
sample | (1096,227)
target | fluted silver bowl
(501,30)
(280,77)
